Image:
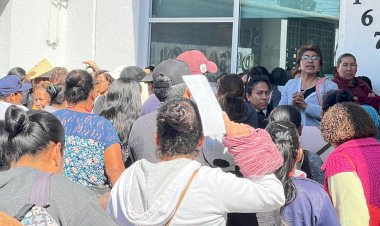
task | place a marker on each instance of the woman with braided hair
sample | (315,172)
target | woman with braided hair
(306,201)
(179,191)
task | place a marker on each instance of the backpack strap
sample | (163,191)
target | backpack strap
(320,82)
(40,191)
(39,196)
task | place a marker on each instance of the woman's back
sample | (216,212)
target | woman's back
(87,137)
(147,193)
(361,156)
(312,205)
(70,204)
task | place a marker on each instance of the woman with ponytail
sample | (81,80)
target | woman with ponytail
(306,201)
(230,94)
(35,145)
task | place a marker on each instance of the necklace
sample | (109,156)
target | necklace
(313,83)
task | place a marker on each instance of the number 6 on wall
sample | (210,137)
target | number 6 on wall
(378,42)
(366,18)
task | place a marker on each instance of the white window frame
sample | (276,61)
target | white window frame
(144,36)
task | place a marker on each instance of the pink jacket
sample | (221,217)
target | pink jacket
(361,156)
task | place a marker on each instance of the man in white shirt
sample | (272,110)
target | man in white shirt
(11,89)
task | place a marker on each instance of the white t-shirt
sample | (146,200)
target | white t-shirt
(5,105)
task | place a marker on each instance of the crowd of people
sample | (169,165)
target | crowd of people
(126,147)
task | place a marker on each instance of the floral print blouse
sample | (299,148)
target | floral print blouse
(87,136)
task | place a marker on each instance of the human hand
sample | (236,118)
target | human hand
(371,94)
(299,100)
(234,129)
(244,78)
(91,64)
(7,220)
(29,75)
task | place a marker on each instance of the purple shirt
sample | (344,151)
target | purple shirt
(150,105)
(312,205)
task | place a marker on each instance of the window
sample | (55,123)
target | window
(270,32)
(168,40)
(192,8)
(180,25)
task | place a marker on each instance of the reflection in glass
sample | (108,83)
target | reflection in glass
(168,40)
(192,8)
(271,31)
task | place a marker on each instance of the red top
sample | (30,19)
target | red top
(358,89)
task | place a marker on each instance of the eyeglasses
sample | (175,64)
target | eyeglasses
(308,58)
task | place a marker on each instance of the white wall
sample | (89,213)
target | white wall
(116,33)
(5,37)
(29,32)
(359,40)
(104,31)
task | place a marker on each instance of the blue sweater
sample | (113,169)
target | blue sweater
(311,116)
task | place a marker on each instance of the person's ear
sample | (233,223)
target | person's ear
(156,139)
(299,155)
(12,97)
(247,96)
(201,141)
(55,158)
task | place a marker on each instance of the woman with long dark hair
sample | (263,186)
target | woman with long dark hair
(122,108)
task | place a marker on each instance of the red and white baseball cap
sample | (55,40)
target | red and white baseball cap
(197,62)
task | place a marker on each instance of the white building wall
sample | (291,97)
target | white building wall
(79,33)
(29,32)
(117,24)
(5,36)
(100,30)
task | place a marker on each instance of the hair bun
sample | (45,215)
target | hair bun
(53,91)
(16,120)
(180,119)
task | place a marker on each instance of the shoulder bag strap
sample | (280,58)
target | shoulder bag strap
(183,195)
(320,82)
(41,189)
(39,196)
(323,149)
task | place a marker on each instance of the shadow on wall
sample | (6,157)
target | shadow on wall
(63,3)
(3,4)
